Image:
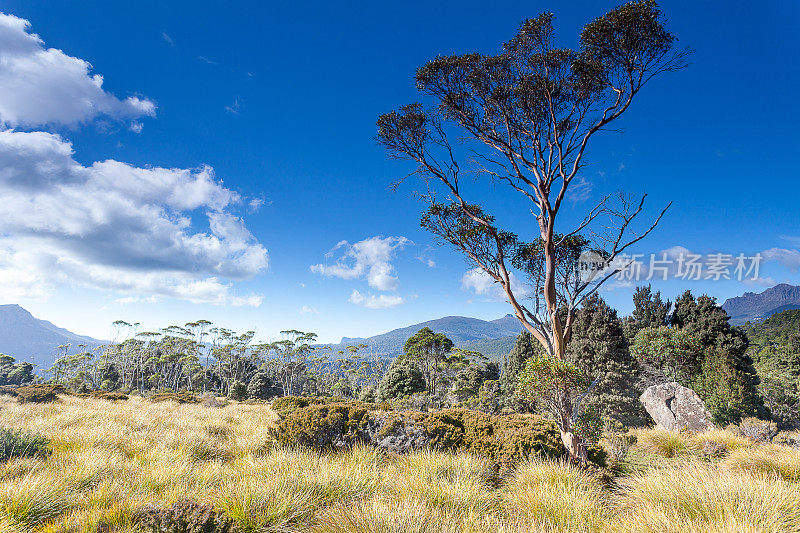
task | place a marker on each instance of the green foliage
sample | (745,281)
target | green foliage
(324,426)
(775,350)
(403,378)
(40,393)
(285,405)
(170,396)
(185,516)
(17,444)
(262,386)
(12,373)
(468,381)
(506,438)
(238,391)
(650,311)
(667,354)
(549,382)
(525,348)
(432,353)
(726,389)
(728,382)
(367,394)
(599,348)
(589,424)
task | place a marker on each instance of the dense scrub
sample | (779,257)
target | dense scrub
(505,438)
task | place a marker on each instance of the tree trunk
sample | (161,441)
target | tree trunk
(575,447)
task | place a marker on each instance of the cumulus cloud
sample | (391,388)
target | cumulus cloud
(308,310)
(40,86)
(370,258)
(379,301)
(115,226)
(789,258)
(482,284)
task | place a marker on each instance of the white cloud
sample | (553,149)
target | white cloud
(789,258)
(114,226)
(370,258)
(372,301)
(40,86)
(136,299)
(482,284)
(308,310)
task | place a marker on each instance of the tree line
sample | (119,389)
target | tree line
(689,341)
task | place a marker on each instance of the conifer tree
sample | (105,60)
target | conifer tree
(524,348)
(650,311)
(600,349)
(728,382)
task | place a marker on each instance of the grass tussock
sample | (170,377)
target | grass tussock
(770,460)
(699,497)
(107,463)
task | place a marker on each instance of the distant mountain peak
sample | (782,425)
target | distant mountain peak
(757,306)
(30,339)
(461,330)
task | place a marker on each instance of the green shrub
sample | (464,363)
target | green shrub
(324,426)
(18,444)
(107,395)
(238,391)
(185,517)
(40,393)
(168,396)
(262,386)
(504,439)
(286,405)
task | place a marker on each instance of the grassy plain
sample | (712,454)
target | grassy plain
(111,459)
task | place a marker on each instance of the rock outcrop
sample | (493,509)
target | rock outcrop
(675,407)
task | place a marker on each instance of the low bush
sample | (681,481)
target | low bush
(286,405)
(108,395)
(790,439)
(179,397)
(213,402)
(324,426)
(16,444)
(185,516)
(758,430)
(504,439)
(39,393)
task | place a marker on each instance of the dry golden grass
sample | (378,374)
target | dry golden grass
(111,459)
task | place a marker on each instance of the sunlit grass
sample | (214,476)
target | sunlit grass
(699,497)
(110,460)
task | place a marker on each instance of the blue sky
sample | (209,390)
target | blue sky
(243,135)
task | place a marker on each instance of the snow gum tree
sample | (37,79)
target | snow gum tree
(524,118)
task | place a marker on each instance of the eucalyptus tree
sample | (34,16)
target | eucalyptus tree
(292,352)
(526,117)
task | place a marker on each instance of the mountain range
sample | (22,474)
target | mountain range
(30,339)
(490,337)
(754,307)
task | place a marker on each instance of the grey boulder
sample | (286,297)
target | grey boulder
(676,407)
